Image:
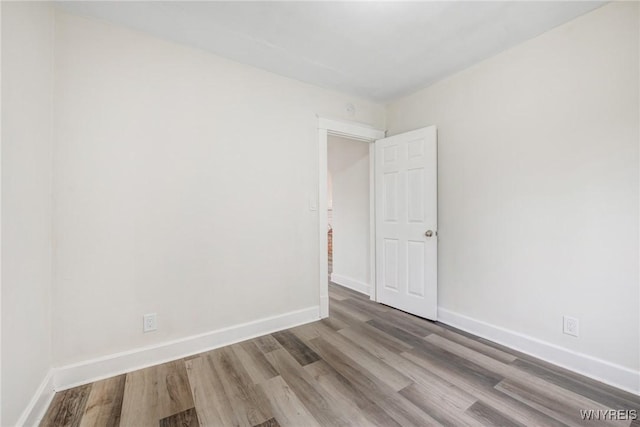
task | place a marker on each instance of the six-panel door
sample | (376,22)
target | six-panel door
(406,222)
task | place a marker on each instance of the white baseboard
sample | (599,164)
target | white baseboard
(350,283)
(589,366)
(37,407)
(108,366)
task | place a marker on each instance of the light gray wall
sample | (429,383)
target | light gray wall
(538,184)
(27,89)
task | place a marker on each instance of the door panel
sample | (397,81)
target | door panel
(390,196)
(406,208)
(390,267)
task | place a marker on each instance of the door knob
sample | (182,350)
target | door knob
(428,233)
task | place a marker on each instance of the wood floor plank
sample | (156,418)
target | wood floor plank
(154,393)
(319,403)
(312,330)
(266,343)
(522,380)
(294,345)
(632,399)
(433,384)
(366,306)
(187,418)
(403,411)
(272,422)
(342,316)
(386,373)
(499,401)
(350,311)
(212,403)
(254,362)
(442,410)
(487,416)
(378,336)
(286,406)
(410,323)
(333,298)
(597,392)
(467,367)
(489,363)
(337,385)
(67,409)
(408,338)
(384,353)
(248,402)
(455,336)
(334,323)
(53,409)
(340,291)
(104,404)
(563,408)
(338,295)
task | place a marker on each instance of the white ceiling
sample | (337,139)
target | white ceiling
(377,50)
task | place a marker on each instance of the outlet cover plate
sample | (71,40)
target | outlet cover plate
(571,326)
(149,322)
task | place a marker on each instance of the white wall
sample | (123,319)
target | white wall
(348,164)
(538,184)
(27,60)
(183,185)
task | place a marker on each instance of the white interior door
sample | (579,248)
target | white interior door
(406,222)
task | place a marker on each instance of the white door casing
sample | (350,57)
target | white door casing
(406,222)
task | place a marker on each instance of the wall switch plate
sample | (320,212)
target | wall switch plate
(149,322)
(571,326)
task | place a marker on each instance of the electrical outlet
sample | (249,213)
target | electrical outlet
(149,322)
(571,326)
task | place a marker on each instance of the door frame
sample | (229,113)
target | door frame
(361,132)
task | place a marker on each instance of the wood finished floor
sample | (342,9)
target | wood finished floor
(367,364)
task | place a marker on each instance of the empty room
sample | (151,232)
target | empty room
(311,213)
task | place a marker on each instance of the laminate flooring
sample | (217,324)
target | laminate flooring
(365,365)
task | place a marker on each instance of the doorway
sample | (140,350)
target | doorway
(402,218)
(348,213)
(352,131)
